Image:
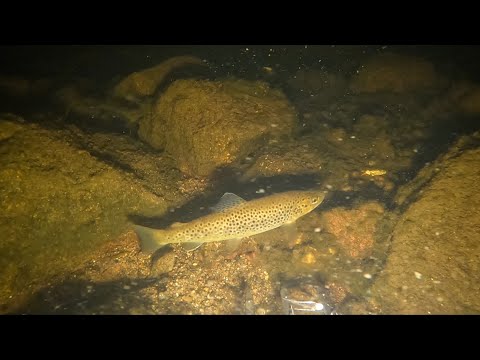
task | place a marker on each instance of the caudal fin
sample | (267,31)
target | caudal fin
(150,239)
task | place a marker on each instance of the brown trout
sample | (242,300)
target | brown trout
(233,219)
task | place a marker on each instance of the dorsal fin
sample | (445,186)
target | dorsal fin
(228,201)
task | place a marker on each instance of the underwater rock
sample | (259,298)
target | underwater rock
(93,112)
(289,157)
(59,202)
(395,73)
(354,230)
(346,159)
(205,125)
(163,264)
(469,102)
(434,261)
(115,260)
(144,83)
(315,81)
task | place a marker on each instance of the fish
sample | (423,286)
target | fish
(232,220)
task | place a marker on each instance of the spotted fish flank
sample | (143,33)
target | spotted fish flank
(233,219)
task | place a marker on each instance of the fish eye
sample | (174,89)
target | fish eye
(314,200)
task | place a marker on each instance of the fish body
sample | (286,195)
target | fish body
(233,219)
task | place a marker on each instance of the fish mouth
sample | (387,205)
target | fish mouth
(321,196)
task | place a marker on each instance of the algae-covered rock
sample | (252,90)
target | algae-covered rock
(144,83)
(354,230)
(346,159)
(395,73)
(58,203)
(434,262)
(208,124)
(301,157)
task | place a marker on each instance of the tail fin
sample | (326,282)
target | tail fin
(150,239)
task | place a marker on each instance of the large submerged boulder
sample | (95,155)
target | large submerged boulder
(434,262)
(144,83)
(205,124)
(58,202)
(395,73)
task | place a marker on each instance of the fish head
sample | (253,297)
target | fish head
(309,200)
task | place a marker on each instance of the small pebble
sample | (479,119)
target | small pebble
(367,276)
(317,230)
(260,311)
(260,191)
(418,275)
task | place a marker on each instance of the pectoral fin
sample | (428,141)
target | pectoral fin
(290,233)
(190,246)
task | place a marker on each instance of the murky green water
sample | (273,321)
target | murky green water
(95,139)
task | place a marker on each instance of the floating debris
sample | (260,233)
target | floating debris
(376,172)
(303,297)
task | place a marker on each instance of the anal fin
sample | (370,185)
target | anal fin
(190,246)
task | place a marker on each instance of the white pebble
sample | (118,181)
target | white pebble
(415,151)
(274,125)
(319,306)
(352,137)
(260,191)
(317,230)
(417,275)
(329,187)
(367,276)
(437,233)
(439,299)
